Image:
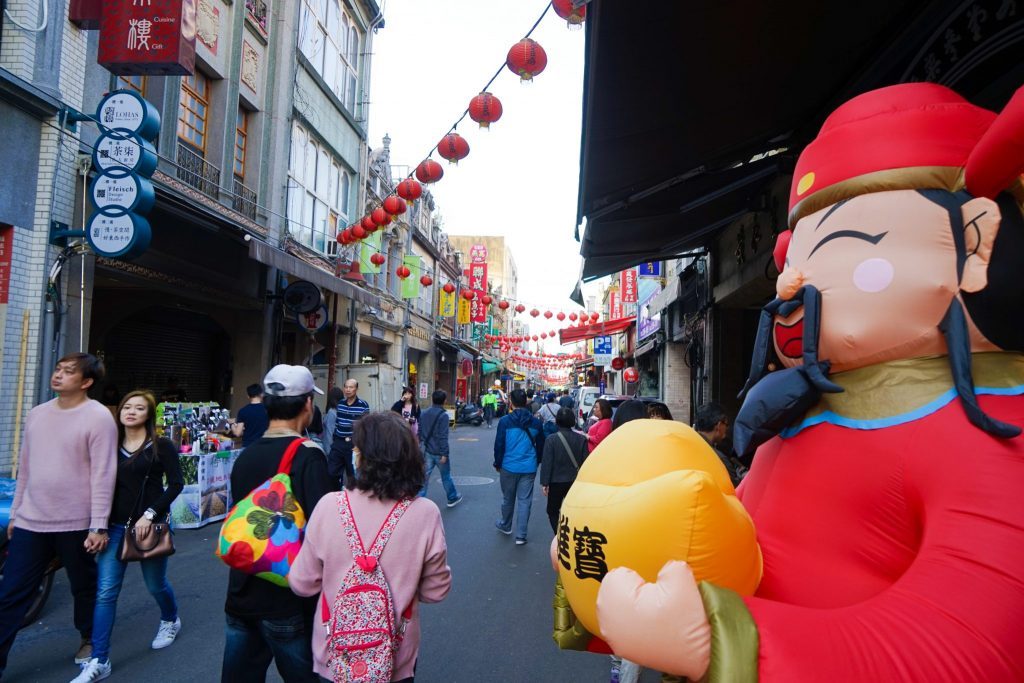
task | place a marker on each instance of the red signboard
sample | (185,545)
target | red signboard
(467,367)
(85,14)
(155,37)
(627,286)
(614,306)
(461,389)
(6,247)
(477,309)
(477,274)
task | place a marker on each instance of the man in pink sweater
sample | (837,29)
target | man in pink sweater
(67,470)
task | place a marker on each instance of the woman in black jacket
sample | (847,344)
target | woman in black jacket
(139,499)
(564,453)
(408,408)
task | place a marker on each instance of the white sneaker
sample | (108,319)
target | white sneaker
(166,634)
(93,670)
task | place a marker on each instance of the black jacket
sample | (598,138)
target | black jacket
(556,467)
(131,473)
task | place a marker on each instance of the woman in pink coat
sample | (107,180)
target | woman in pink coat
(602,410)
(389,470)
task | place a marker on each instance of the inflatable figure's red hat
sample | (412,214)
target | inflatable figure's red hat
(909,136)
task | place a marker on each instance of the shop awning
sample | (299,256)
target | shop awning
(677,94)
(488,367)
(577,334)
(271,256)
(665,296)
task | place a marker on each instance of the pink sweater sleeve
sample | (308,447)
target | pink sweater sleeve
(23,470)
(102,467)
(436,579)
(306,575)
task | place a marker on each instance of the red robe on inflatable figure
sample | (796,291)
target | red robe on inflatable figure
(890,515)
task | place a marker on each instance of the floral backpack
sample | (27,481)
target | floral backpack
(362,638)
(263,532)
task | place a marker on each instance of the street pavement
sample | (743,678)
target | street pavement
(495,625)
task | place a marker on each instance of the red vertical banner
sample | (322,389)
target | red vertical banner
(627,286)
(477,276)
(477,309)
(6,247)
(156,37)
(614,306)
(461,388)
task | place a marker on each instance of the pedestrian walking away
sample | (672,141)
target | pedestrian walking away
(339,459)
(65,485)
(489,402)
(407,558)
(518,443)
(334,396)
(564,454)
(264,621)
(252,419)
(139,500)
(434,441)
(566,400)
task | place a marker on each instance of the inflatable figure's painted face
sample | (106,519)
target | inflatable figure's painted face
(886,266)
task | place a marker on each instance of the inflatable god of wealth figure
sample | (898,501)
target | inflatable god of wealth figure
(887,491)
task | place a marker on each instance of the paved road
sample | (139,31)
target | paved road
(495,625)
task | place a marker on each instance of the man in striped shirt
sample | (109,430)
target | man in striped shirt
(339,460)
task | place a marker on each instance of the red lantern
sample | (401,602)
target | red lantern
(394,205)
(402,272)
(534,312)
(467,294)
(448,288)
(345,236)
(503,305)
(486,299)
(520,308)
(573,16)
(426,280)
(595,316)
(453,147)
(380,217)
(357,231)
(534,339)
(377,259)
(572,317)
(485,109)
(368,224)
(618,363)
(429,171)
(409,190)
(543,335)
(560,316)
(526,59)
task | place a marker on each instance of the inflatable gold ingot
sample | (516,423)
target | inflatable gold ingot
(653,491)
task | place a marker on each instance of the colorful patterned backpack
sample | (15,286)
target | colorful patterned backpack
(263,532)
(362,639)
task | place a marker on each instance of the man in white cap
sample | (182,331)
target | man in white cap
(256,607)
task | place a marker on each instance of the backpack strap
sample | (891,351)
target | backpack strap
(289,455)
(355,540)
(388,527)
(561,437)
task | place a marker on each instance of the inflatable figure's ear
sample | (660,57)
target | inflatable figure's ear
(981,224)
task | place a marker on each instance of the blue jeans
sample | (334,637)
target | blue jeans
(517,494)
(445,467)
(29,553)
(250,644)
(111,577)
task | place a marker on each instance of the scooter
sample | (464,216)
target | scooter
(468,413)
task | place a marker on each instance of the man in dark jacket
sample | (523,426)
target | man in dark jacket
(712,423)
(566,400)
(434,442)
(266,621)
(517,447)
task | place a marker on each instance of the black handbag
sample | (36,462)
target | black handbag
(158,543)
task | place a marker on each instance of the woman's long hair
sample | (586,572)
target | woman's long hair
(334,397)
(150,400)
(412,398)
(390,463)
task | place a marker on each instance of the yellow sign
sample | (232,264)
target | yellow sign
(446,304)
(463,318)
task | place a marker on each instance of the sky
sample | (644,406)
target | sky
(521,177)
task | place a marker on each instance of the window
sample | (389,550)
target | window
(329,39)
(135,82)
(318,193)
(193,110)
(241,129)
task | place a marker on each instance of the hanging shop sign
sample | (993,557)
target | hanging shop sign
(446,304)
(115,192)
(477,274)
(302,296)
(603,350)
(123,150)
(614,306)
(467,367)
(649,269)
(464,312)
(129,112)
(124,236)
(478,253)
(627,286)
(618,363)
(154,37)
(314,321)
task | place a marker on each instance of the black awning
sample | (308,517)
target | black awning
(679,92)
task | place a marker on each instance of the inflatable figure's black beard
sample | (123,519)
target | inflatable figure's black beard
(775,401)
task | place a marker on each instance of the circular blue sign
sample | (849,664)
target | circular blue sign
(128,110)
(122,149)
(115,192)
(124,236)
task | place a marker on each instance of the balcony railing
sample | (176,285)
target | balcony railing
(244,200)
(257,9)
(194,170)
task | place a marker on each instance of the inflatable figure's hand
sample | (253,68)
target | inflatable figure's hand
(662,625)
